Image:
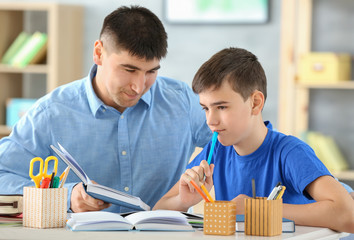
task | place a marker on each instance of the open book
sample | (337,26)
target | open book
(159,220)
(287,226)
(99,191)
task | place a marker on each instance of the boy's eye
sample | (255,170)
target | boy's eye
(205,108)
(221,107)
(130,70)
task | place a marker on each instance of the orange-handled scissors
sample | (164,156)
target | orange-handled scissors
(42,173)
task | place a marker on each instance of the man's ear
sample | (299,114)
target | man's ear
(257,102)
(97,52)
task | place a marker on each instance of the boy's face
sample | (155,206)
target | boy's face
(228,114)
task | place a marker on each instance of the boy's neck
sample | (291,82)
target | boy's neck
(254,140)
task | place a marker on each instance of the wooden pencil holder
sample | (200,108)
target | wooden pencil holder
(44,207)
(219,217)
(263,217)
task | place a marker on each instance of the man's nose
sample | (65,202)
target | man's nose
(139,83)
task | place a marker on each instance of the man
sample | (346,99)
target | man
(127,128)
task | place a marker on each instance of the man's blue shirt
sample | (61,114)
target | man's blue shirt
(142,151)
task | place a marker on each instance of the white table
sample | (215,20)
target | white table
(16,233)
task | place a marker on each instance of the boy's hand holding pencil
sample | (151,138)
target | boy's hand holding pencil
(188,193)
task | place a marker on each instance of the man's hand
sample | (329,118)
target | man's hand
(82,202)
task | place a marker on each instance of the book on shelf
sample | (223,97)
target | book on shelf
(327,151)
(98,191)
(11,204)
(159,220)
(15,47)
(288,226)
(33,49)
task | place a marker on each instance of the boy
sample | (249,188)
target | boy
(232,91)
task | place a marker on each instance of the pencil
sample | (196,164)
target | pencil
(207,193)
(198,190)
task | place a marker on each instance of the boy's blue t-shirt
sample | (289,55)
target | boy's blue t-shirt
(280,158)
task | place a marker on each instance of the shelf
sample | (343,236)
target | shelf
(63,24)
(338,85)
(345,175)
(38,68)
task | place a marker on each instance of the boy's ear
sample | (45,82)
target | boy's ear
(257,102)
(97,52)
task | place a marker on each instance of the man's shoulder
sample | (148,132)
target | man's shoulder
(65,93)
(166,83)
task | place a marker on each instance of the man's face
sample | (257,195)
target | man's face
(122,79)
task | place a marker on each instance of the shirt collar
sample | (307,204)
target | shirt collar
(96,103)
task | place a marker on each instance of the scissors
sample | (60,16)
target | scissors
(42,173)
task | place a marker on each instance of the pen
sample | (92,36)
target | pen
(45,183)
(198,190)
(207,193)
(275,190)
(213,141)
(253,188)
(56,180)
(280,195)
(51,180)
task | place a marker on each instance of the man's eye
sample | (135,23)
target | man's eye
(130,70)
(221,107)
(205,109)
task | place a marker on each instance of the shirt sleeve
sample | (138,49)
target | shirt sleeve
(31,137)
(302,167)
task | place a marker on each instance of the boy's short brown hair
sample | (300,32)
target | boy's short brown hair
(236,65)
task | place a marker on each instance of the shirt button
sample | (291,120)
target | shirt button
(103,110)
(124,153)
(122,117)
(126,189)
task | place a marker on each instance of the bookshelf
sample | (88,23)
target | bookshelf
(64,25)
(296,29)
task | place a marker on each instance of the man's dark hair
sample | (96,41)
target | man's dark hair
(136,30)
(236,65)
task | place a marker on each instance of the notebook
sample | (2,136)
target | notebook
(159,220)
(288,225)
(98,191)
(10,204)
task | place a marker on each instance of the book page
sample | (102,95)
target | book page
(98,220)
(157,216)
(69,160)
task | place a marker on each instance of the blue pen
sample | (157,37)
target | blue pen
(213,141)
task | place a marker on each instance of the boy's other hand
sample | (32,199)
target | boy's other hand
(240,203)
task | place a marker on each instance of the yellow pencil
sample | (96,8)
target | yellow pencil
(207,193)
